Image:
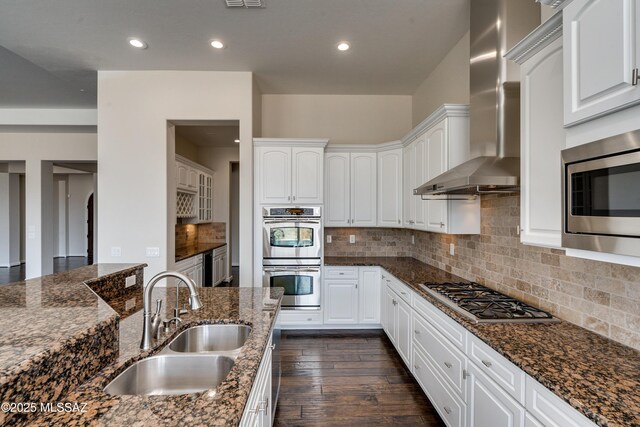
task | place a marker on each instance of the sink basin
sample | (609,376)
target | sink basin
(170,375)
(206,338)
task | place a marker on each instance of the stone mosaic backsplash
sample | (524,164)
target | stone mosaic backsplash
(189,235)
(599,296)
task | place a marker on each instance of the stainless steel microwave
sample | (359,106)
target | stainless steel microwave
(601,195)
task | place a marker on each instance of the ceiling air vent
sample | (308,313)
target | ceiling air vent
(244,3)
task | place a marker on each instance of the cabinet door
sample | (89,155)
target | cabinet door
(369,295)
(306,177)
(390,188)
(436,163)
(341,301)
(390,316)
(419,178)
(337,212)
(182,176)
(194,175)
(403,341)
(489,405)
(408,199)
(274,166)
(602,47)
(363,189)
(542,138)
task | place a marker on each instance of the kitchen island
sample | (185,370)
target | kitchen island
(87,335)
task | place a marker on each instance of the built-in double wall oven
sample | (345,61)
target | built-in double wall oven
(601,195)
(292,254)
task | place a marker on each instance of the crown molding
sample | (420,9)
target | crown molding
(445,111)
(193,164)
(290,142)
(537,40)
(364,148)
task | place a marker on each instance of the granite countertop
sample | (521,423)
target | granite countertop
(597,376)
(223,405)
(197,249)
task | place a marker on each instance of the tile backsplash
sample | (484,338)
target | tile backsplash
(189,235)
(599,296)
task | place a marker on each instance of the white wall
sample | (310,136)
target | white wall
(80,188)
(448,83)
(344,119)
(135,144)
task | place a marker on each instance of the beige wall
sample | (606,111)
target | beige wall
(219,159)
(447,84)
(186,149)
(344,119)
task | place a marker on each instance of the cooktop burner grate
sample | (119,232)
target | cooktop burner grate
(484,305)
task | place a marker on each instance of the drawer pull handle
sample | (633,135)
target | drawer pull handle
(447,410)
(416,366)
(448,365)
(273,346)
(417,332)
(403,293)
(486,363)
(342,274)
(309,319)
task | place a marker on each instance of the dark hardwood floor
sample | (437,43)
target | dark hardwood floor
(348,378)
(17,273)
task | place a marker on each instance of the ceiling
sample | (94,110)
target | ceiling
(50,50)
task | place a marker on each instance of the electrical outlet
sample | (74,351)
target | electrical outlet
(116,251)
(352,238)
(129,281)
(452,249)
(329,238)
(130,304)
(153,252)
(413,239)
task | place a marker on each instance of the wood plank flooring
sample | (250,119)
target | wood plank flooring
(348,378)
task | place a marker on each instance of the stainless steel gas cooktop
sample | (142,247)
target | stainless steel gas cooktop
(484,305)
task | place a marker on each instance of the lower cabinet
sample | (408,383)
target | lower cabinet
(351,296)
(389,322)
(192,268)
(398,322)
(258,410)
(219,270)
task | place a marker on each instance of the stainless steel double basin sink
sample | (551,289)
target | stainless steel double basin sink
(198,359)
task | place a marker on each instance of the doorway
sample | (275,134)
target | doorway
(234,219)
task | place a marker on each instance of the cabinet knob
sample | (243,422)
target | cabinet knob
(447,410)
(416,366)
(417,332)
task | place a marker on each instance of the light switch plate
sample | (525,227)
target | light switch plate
(329,238)
(153,252)
(116,251)
(352,238)
(129,281)
(413,239)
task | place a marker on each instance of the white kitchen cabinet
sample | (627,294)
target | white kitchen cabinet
(220,262)
(389,312)
(186,177)
(438,143)
(403,340)
(489,405)
(257,412)
(289,171)
(351,190)
(205,197)
(369,295)
(601,57)
(549,410)
(542,137)
(192,268)
(341,301)
(390,188)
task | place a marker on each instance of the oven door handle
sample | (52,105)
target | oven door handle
(291,270)
(294,221)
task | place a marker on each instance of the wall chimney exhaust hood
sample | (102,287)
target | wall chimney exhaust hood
(496,25)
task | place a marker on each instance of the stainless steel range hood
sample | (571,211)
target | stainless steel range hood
(496,26)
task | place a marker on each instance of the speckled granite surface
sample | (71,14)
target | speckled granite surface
(595,375)
(197,249)
(56,333)
(223,405)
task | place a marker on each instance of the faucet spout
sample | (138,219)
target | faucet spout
(149,327)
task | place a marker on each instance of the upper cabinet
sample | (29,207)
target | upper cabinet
(289,171)
(186,177)
(194,185)
(542,134)
(437,144)
(351,189)
(390,188)
(601,58)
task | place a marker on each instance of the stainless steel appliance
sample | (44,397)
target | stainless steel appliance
(301,283)
(484,305)
(601,195)
(291,232)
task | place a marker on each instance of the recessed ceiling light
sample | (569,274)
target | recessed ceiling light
(343,46)
(137,43)
(217,44)
(237,141)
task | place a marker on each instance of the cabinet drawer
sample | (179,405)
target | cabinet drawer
(450,407)
(448,360)
(220,251)
(550,409)
(504,373)
(292,317)
(341,273)
(398,287)
(448,327)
